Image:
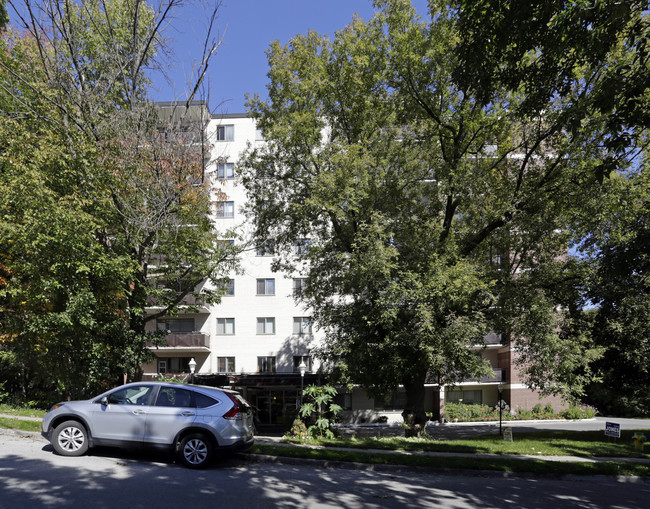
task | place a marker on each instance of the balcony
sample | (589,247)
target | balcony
(499,376)
(187,340)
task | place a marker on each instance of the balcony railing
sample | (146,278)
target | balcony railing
(188,339)
(499,376)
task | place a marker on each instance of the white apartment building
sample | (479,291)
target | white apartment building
(256,338)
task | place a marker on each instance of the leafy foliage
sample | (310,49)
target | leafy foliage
(434,217)
(105,200)
(320,410)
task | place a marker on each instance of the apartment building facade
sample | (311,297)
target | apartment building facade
(257,337)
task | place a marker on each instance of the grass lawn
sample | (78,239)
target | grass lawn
(21,424)
(21,411)
(488,449)
(478,462)
(546,443)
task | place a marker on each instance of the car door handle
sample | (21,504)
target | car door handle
(187,414)
(139,412)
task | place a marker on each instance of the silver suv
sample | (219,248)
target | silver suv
(193,421)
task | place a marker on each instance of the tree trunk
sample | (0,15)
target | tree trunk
(415,419)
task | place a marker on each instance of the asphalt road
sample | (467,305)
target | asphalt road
(32,476)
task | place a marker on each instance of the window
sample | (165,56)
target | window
(230,287)
(172,396)
(297,359)
(301,246)
(225,326)
(259,136)
(266,364)
(225,243)
(225,209)
(133,395)
(176,325)
(266,325)
(394,401)
(203,401)
(266,249)
(225,364)
(467,397)
(173,365)
(301,325)
(299,285)
(225,170)
(225,133)
(266,287)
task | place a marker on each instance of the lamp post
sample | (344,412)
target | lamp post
(500,408)
(302,369)
(192,365)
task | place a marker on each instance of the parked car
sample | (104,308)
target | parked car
(193,421)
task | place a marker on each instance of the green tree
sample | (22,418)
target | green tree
(620,291)
(4,15)
(105,201)
(550,49)
(432,218)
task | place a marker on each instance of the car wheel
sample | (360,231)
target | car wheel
(195,451)
(70,438)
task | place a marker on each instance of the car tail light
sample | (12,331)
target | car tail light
(235,412)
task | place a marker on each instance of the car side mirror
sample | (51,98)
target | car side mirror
(104,401)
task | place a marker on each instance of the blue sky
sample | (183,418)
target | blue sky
(248,27)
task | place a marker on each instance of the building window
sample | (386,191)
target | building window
(301,325)
(266,286)
(225,133)
(301,246)
(467,397)
(225,364)
(225,326)
(225,243)
(266,249)
(394,401)
(266,364)
(297,359)
(225,170)
(174,365)
(259,136)
(176,325)
(229,287)
(299,285)
(225,209)
(266,325)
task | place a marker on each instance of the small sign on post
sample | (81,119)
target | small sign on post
(613,429)
(507,434)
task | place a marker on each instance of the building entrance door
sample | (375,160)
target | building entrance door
(274,407)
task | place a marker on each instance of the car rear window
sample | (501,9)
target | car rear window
(203,401)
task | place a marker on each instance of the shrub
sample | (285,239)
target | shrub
(579,412)
(464,413)
(298,430)
(321,410)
